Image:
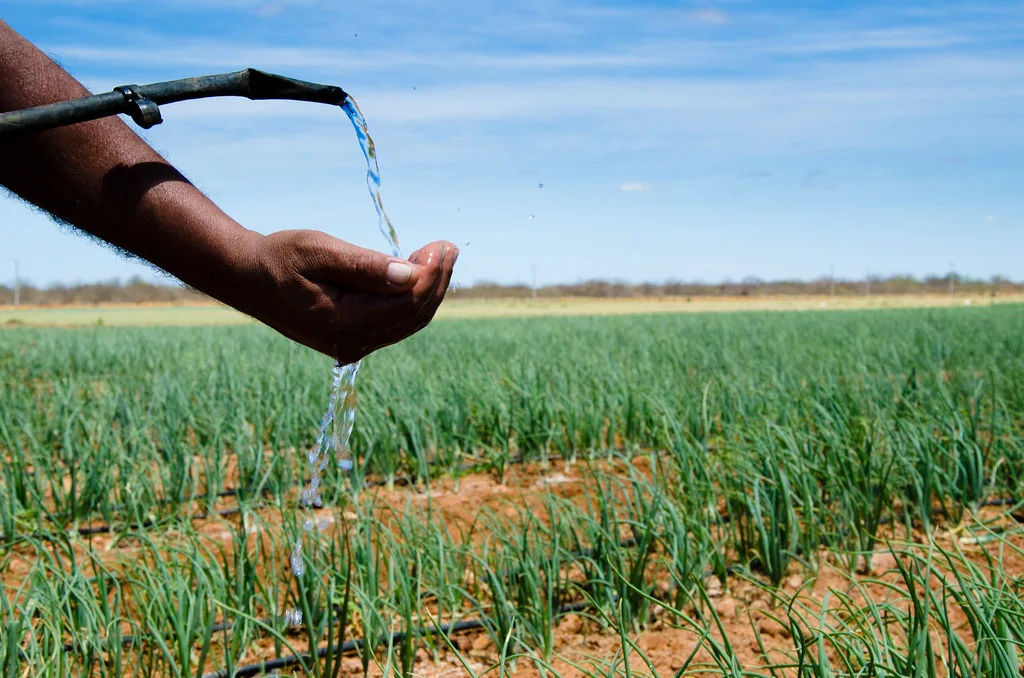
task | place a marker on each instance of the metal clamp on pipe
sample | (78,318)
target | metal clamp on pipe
(144,111)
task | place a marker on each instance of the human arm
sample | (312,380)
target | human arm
(105,180)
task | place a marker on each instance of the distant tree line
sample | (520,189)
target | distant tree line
(749,287)
(138,291)
(133,291)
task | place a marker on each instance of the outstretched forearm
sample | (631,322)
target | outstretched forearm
(104,179)
(101,177)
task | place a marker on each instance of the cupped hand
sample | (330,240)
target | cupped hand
(340,299)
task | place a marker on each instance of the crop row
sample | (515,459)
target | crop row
(115,423)
(775,444)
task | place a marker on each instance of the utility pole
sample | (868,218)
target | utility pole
(17,283)
(533,270)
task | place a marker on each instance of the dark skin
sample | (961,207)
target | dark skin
(102,178)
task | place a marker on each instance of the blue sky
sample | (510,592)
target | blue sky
(674,140)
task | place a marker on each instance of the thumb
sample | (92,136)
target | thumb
(356,268)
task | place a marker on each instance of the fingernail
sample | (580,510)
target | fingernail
(399,273)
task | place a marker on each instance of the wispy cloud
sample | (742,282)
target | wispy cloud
(817,180)
(536,37)
(746,109)
(710,15)
(270,9)
(219,55)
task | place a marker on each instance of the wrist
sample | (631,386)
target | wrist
(180,230)
(226,265)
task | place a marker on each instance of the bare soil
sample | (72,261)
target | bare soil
(750,615)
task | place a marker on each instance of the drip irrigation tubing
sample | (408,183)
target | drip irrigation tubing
(107,527)
(723,518)
(472,624)
(401,481)
(572,557)
(357,644)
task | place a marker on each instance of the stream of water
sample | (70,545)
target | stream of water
(336,426)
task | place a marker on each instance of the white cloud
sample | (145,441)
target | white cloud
(817,180)
(890,104)
(793,38)
(270,9)
(219,55)
(634,186)
(710,15)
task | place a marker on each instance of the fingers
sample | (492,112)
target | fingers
(377,315)
(342,300)
(438,260)
(347,266)
(445,268)
(367,320)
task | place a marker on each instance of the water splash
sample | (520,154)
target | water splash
(298,566)
(338,421)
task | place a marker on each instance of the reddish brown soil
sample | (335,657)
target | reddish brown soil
(747,611)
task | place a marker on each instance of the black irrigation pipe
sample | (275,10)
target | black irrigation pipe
(465,625)
(103,529)
(107,528)
(446,629)
(142,102)
(572,557)
(410,479)
(507,574)
(400,481)
(726,518)
(354,645)
(1004,501)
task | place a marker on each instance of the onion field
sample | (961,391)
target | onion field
(739,494)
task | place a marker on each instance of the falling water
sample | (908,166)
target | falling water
(336,425)
(372,173)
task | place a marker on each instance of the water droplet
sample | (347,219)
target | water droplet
(308,525)
(467,243)
(323,524)
(345,464)
(298,567)
(540,185)
(292,616)
(531,216)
